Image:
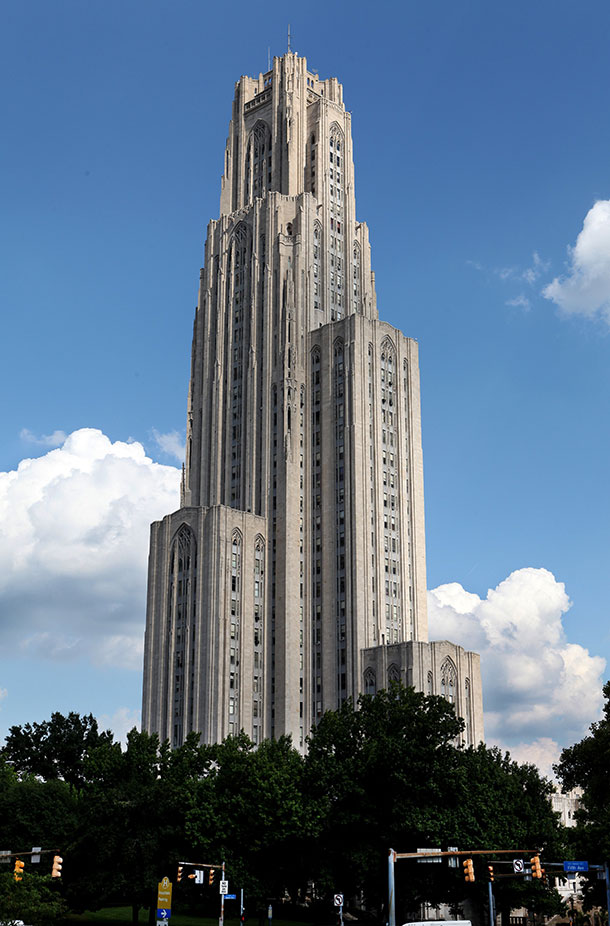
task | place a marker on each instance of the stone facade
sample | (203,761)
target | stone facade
(296,563)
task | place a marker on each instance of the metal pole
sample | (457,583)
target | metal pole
(492,918)
(241,905)
(391,898)
(222,901)
(607,889)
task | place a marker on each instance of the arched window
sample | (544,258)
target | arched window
(393,673)
(370,682)
(258,162)
(430,689)
(448,680)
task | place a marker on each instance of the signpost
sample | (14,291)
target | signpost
(164,900)
(339,903)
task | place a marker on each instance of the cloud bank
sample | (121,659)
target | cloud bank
(585,290)
(539,689)
(74,527)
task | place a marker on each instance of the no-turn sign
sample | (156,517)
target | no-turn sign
(338,900)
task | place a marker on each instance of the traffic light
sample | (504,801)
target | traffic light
(536,869)
(211,877)
(490,869)
(468,870)
(179,875)
(18,869)
(56,869)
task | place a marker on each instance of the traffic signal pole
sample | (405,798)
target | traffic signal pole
(391,899)
(492,918)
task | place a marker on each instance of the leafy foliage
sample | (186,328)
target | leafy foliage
(388,774)
(54,749)
(587,765)
(34,900)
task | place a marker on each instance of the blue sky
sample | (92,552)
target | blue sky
(482,145)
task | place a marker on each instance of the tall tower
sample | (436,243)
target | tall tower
(293,575)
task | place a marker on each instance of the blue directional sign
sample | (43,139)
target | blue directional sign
(230,896)
(164,914)
(575,866)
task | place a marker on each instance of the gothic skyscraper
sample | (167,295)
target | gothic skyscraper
(293,575)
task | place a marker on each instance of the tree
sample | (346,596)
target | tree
(379,777)
(54,749)
(391,775)
(132,827)
(250,812)
(586,765)
(34,900)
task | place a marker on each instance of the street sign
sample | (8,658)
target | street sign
(575,866)
(163,914)
(454,862)
(224,887)
(434,861)
(518,866)
(230,896)
(164,896)
(338,900)
(35,854)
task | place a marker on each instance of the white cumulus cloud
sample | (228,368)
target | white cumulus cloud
(170,443)
(537,686)
(543,752)
(74,526)
(585,290)
(55,439)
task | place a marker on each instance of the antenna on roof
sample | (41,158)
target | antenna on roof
(288,36)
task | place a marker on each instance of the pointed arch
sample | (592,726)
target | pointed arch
(448,680)
(370,682)
(259,162)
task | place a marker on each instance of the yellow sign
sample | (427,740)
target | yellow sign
(164,895)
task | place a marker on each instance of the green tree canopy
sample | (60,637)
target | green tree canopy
(586,765)
(55,748)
